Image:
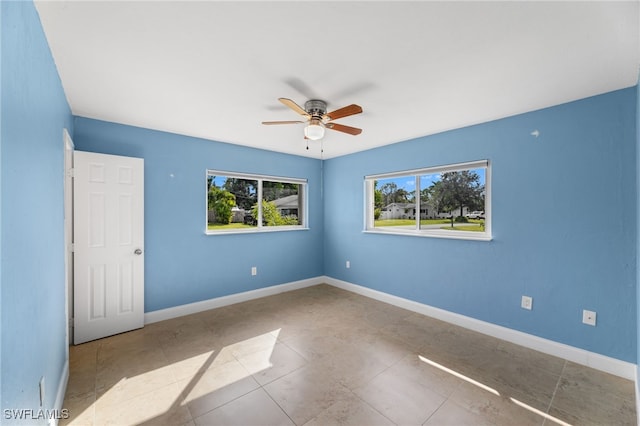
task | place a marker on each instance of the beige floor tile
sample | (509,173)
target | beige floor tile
(352,411)
(589,397)
(461,350)
(270,364)
(306,392)
(116,367)
(382,347)
(519,380)
(254,408)
(317,346)
(84,357)
(81,410)
(159,407)
(215,387)
(498,409)
(81,383)
(512,353)
(248,326)
(143,339)
(352,367)
(255,343)
(131,386)
(413,368)
(414,335)
(400,400)
(452,414)
(187,363)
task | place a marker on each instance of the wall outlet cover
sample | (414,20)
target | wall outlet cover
(589,317)
(527,302)
(41,387)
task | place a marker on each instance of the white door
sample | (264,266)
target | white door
(108,245)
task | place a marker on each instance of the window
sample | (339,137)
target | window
(451,201)
(232,202)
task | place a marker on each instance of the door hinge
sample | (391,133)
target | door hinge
(71,172)
(72,247)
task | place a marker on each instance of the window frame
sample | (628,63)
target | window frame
(303,191)
(369,221)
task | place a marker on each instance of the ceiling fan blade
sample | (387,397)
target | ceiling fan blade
(343,112)
(268,123)
(294,106)
(342,128)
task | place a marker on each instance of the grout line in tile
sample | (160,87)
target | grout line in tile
(276,402)
(553,396)
(372,407)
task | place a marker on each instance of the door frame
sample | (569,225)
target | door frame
(68,236)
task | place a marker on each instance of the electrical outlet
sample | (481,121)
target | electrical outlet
(254,270)
(589,317)
(527,302)
(41,385)
(348,264)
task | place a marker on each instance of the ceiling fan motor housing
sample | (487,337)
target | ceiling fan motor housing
(315,108)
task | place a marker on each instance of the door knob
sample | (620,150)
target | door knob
(137,251)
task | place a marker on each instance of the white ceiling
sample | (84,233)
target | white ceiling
(215,69)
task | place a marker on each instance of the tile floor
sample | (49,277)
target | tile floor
(325,356)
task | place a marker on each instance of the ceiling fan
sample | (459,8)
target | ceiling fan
(317,118)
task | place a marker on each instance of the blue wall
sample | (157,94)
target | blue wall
(638,228)
(182,264)
(564,225)
(33,114)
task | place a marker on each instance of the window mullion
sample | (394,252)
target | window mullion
(259,203)
(416,198)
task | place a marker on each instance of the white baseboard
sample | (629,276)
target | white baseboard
(637,398)
(604,363)
(62,389)
(218,302)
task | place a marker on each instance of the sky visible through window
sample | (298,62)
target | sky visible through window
(408,183)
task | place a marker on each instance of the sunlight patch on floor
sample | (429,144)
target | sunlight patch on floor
(491,390)
(538,412)
(459,375)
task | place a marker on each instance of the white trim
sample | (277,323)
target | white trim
(451,235)
(600,362)
(637,398)
(68,149)
(218,302)
(258,230)
(254,176)
(433,169)
(62,389)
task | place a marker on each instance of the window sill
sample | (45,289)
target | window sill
(452,235)
(265,229)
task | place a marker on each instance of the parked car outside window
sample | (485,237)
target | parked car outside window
(476,215)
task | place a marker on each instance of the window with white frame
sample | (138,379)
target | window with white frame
(238,202)
(450,201)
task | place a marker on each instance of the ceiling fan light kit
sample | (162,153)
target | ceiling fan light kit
(315,111)
(314,130)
